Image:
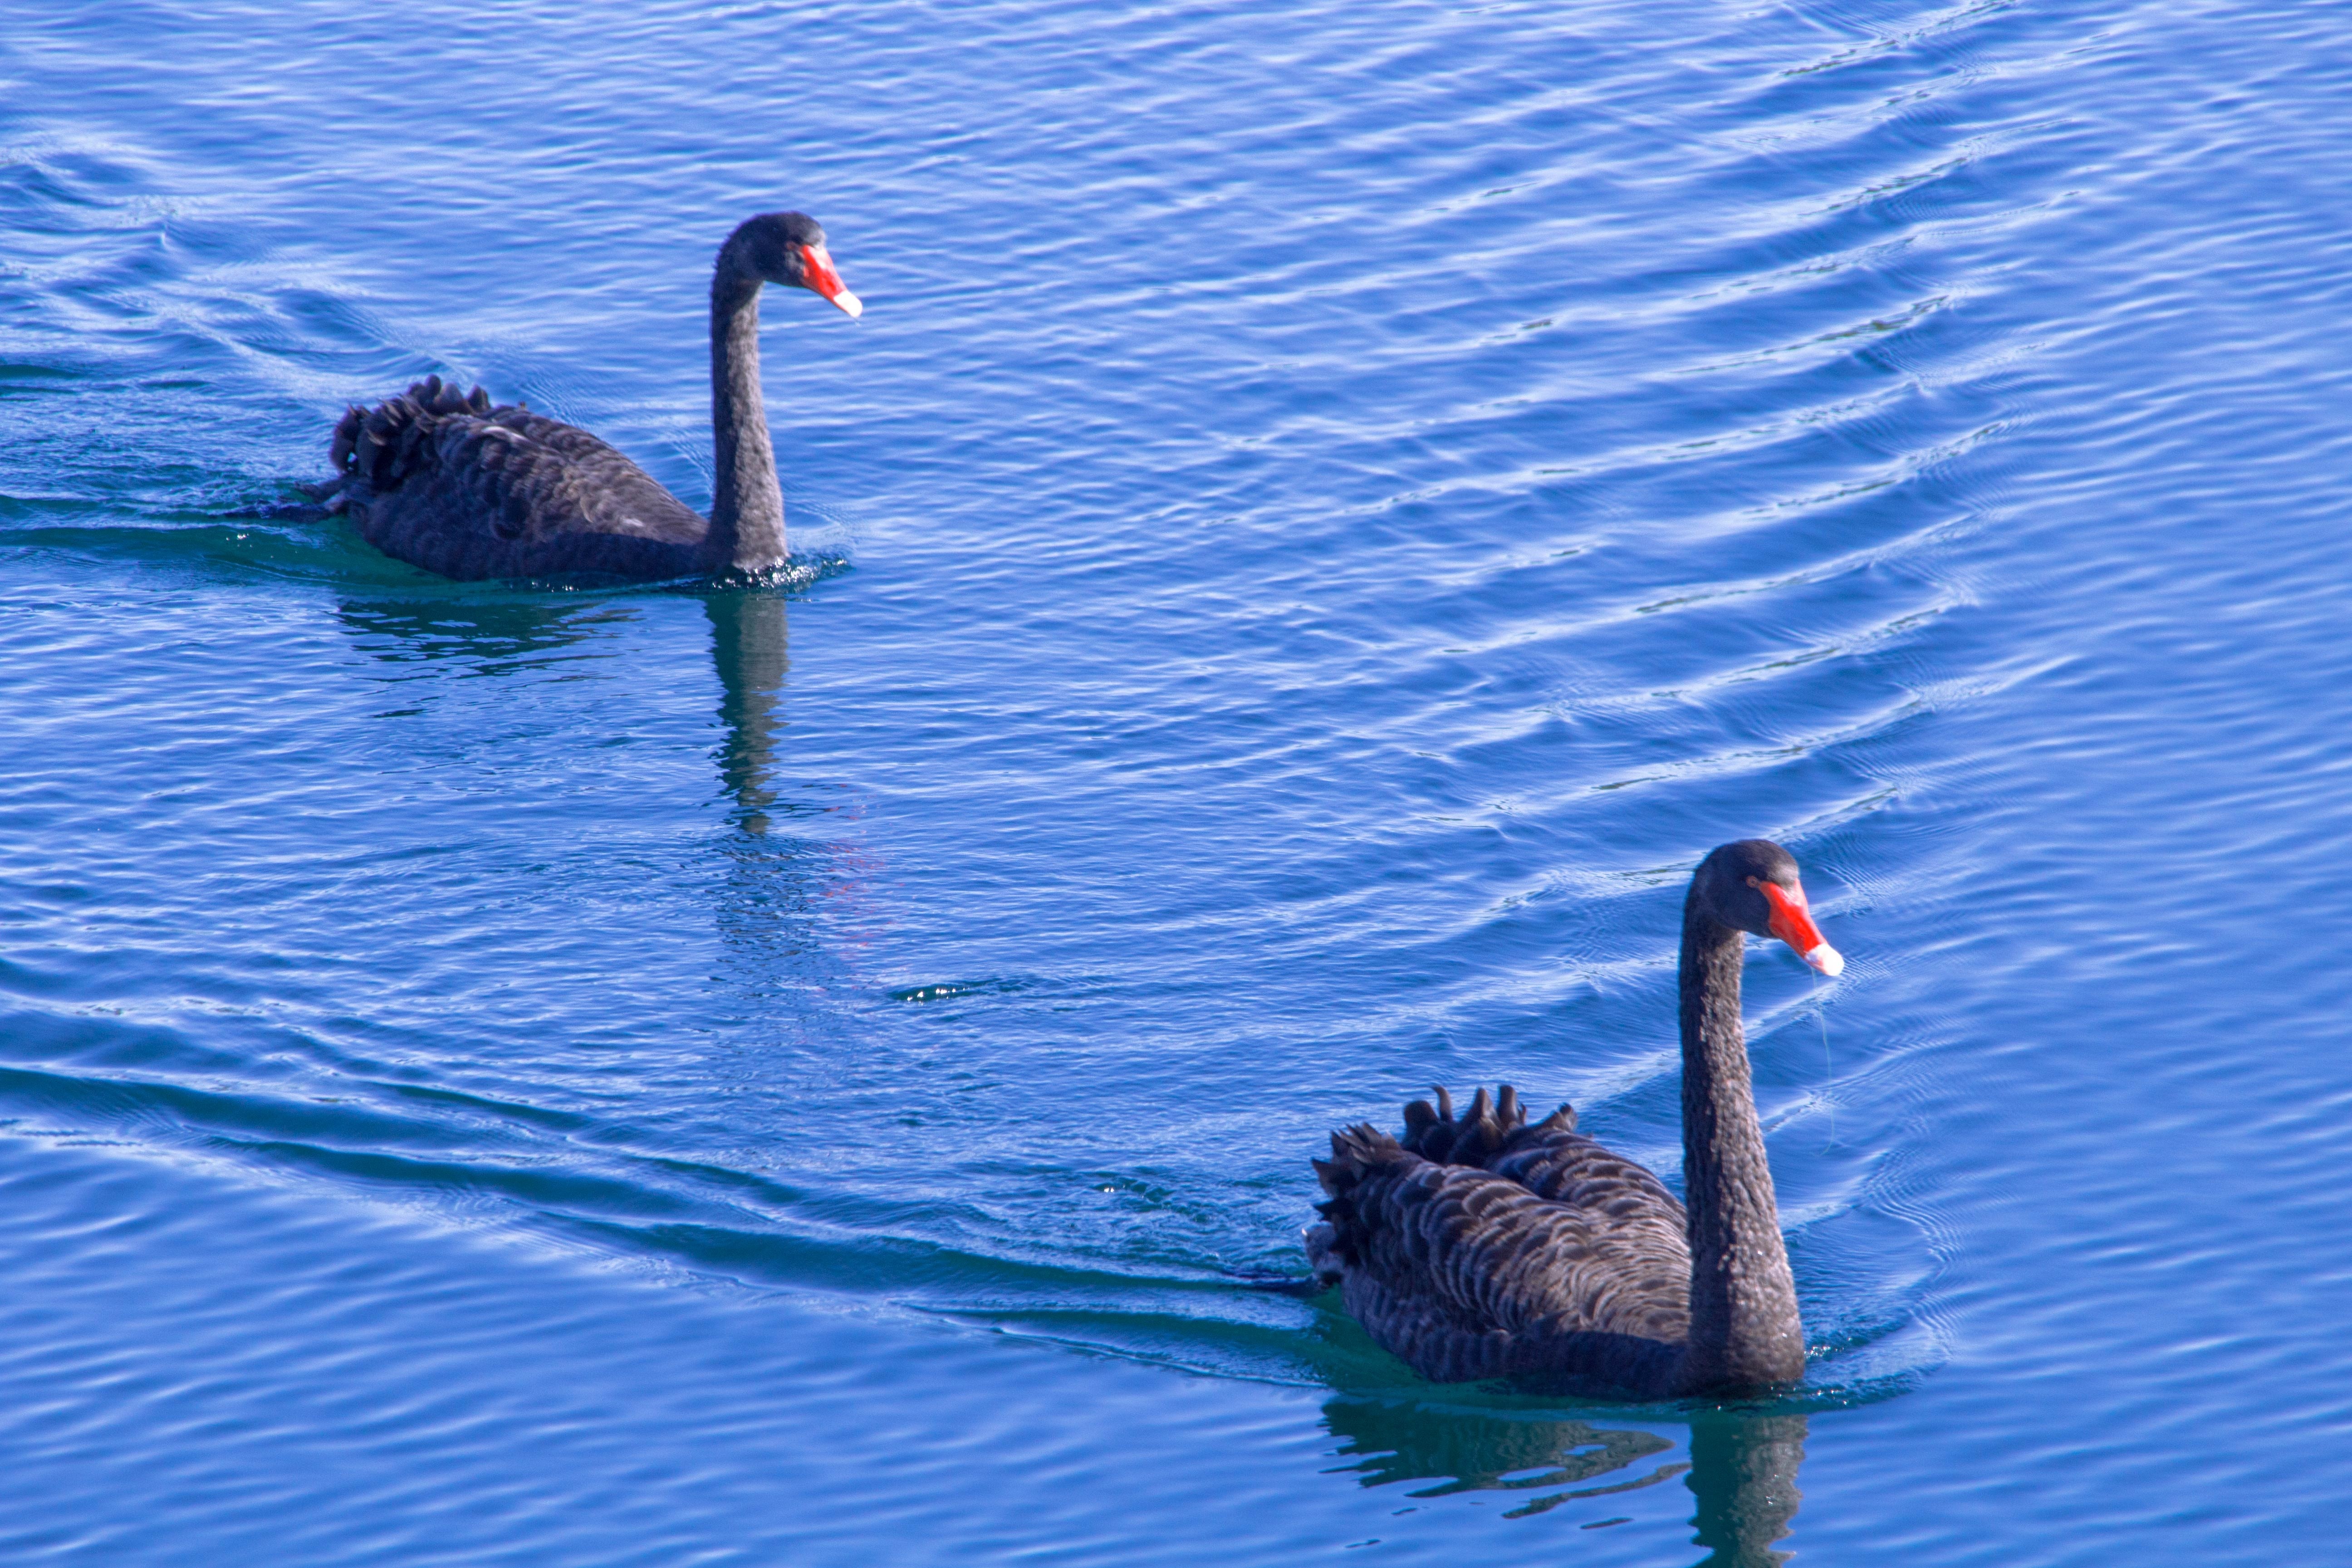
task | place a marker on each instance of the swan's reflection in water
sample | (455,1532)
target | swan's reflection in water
(490,637)
(751,646)
(788,890)
(1742,1466)
(1480,1452)
(791,907)
(777,878)
(1744,1469)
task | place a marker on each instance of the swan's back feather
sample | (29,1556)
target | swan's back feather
(447,482)
(1542,1257)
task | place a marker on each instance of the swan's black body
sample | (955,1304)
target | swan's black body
(1484,1247)
(449,483)
(467,491)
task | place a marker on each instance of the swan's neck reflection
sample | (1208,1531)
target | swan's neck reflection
(788,907)
(1744,1472)
(749,646)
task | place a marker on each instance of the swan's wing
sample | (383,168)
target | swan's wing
(1616,1195)
(469,491)
(1621,1199)
(1465,1273)
(531,478)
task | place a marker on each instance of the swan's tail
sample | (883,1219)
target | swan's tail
(384,445)
(1481,1133)
(1358,1153)
(1362,1205)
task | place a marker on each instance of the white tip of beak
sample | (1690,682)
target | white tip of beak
(1827,960)
(849,303)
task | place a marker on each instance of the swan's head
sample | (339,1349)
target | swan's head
(789,248)
(1752,886)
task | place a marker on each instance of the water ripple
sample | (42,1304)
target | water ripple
(1326,517)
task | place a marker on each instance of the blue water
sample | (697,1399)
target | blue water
(1330,511)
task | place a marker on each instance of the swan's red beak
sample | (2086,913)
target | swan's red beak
(1792,922)
(816,267)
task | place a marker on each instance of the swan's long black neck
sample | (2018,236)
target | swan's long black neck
(747,506)
(1744,1330)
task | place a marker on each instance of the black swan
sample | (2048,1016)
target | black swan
(446,482)
(1485,1247)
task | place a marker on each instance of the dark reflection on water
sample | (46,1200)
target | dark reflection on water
(1744,1469)
(1742,1466)
(493,636)
(751,646)
(781,885)
(1479,1452)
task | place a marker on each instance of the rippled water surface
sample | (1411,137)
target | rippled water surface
(1329,513)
